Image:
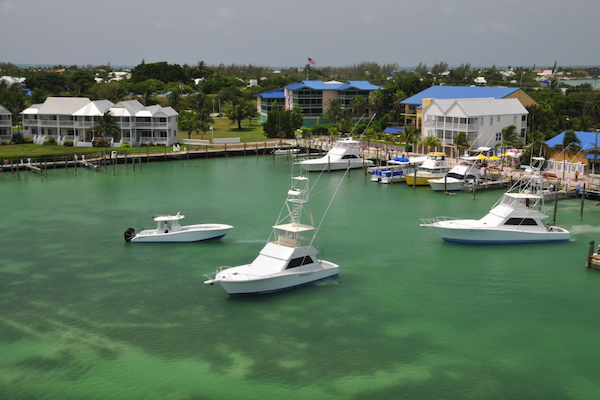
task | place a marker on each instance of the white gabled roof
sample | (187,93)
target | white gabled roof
(62,105)
(478,108)
(4,111)
(151,111)
(32,110)
(445,104)
(95,108)
(127,108)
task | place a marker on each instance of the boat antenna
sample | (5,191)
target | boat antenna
(329,205)
(357,122)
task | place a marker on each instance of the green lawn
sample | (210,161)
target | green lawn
(222,128)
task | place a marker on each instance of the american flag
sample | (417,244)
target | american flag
(311,61)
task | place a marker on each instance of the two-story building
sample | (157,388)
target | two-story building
(313,96)
(5,124)
(414,105)
(73,118)
(482,120)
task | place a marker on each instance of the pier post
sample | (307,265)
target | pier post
(125,159)
(140,164)
(582,200)
(588,261)
(256,145)
(415,178)
(133,164)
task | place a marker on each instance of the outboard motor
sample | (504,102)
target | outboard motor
(129,234)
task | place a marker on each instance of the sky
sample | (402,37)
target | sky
(285,33)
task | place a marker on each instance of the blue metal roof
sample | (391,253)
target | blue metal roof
(393,131)
(459,92)
(320,85)
(272,94)
(588,140)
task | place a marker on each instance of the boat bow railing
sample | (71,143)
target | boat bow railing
(432,221)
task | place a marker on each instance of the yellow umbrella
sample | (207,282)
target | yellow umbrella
(481,156)
(505,155)
(494,158)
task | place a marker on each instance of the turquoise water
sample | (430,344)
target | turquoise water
(84,315)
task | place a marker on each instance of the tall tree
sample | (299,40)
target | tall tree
(411,135)
(460,142)
(431,141)
(106,126)
(187,121)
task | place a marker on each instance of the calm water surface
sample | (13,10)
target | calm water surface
(84,315)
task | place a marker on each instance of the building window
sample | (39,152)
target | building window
(515,120)
(491,120)
(498,137)
(498,119)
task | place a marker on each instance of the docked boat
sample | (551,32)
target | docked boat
(461,175)
(518,217)
(435,166)
(285,152)
(288,260)
(169,229)
(344,154)
(396,170)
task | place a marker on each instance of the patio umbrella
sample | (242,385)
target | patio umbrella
(505,155)
(494,158)
(481,157)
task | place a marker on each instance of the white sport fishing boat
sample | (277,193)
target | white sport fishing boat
(168,229)
(518,217)
(344,154)
(396,170)
(288,260)
(457,178)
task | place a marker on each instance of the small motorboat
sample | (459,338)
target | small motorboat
(168,229)
(288,260)
(344,154)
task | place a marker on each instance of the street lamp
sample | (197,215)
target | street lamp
(212,133)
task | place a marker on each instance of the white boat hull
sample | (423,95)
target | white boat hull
(438,185)
(189,233)
(450,232)
(239,284)
(319,165)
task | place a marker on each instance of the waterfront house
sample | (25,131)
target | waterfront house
(414,105)
(5,124)
(313,96)
(73,118)
(481,119)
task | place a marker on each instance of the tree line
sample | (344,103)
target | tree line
(199,92)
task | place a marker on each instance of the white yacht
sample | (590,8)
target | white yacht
(288,260)
(518,217)
(168,229)
(462,174)
(344,154)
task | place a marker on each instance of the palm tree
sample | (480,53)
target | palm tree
(199,103)
(570,145)
(107,126)
(510,138)
(431,141)
(333,111)
(460,142)
(376,100)
(411,135)
(359,105)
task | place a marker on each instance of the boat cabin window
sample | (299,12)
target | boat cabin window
(349,156)
(520,221)
(297,262)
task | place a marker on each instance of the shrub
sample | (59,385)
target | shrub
(68,143)
(98,142)
(29,140)
(6,142)
(50,141)
(125,144)
(18,138)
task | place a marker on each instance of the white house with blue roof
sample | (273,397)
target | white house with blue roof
(312,98)
(414,105)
